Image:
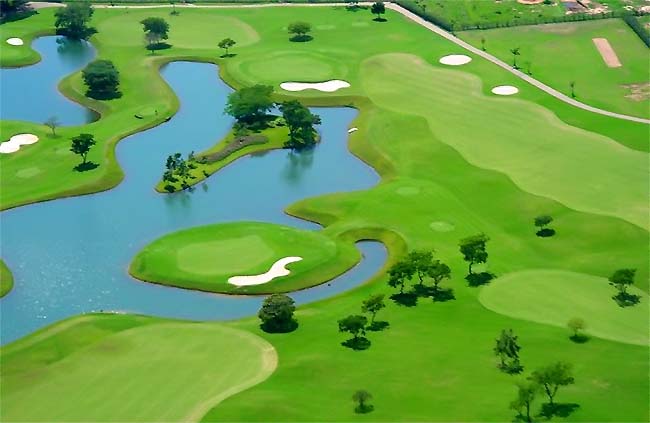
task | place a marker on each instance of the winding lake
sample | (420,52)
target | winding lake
(70,256)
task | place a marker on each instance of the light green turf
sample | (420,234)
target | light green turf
(539,152)
(205,257)
(581,62)
(6,279)
(555,296)
(110,373)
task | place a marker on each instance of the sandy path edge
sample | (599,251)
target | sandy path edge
(418,20)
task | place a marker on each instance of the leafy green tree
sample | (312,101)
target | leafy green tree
(572,85)
(155,30)
(526,393)
(378,9)
(622,279)
(542,222)
(507,349)
(361,398)
(300,122)
(299,31)
(52,122)
(81,145)
(576,325)
(354,324)
(438,271)
(72,20)
(10,7)
(551,377)
(251,104)
(474,250)
(226,44)
(515,52)
(372,305)
(421,260)
(276,314)
(102,80)
(400,273)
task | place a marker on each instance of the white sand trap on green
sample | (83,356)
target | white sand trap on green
(277,270)
(351,130)
(16,142)
(326,86)
(14,41)
(554,296)
(455,60)
(505,90)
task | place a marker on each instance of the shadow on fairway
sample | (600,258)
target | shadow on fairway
(85,167)
(229,55)
(358,344)
(378,326)
(558,410)
(406,299)
(579,339)
(366,408)
(625,299)
(479,279)
(301,38)
(545,233)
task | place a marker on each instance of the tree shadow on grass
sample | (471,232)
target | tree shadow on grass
(579,339)
(406,299)
(558,410)
(378,326)
(380,20)
(282,327)
(301,38)
(159,46)
(441,295)
(545,233)
(479,279)
(364,409)
(85,167)
(228,56)
(358,344)
(625,299)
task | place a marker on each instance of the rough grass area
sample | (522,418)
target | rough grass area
(595,82)
(6,279)
(205,257)
(553,297)
(65,372)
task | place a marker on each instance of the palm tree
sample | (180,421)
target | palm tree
(515,52)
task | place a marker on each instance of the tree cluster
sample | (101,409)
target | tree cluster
(548,380)
(422,264)
(156,30)
(177,169)
(357,324)
(250,105)
(299,31)
(507,349)
(622,279)
(102,80)
(276,314)
(81,145)
(14,9)
(300,122)
(72,20)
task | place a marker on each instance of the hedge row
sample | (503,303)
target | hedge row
(638,28)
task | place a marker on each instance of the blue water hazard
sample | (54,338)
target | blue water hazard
(70,256)
(31,93)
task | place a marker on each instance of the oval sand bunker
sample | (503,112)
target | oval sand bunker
(278,269)
(15,41)
(327,86)
(505,90)
(16,141)
(455,60)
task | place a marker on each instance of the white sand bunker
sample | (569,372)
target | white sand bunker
(505,90)
(15,41)
(16,141)
(278,269)
(326,86)
(455,60)
(351,130)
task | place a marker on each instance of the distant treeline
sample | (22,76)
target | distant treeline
(638,28)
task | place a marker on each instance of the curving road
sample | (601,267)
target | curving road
(418,20)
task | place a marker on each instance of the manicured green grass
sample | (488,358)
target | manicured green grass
(103,368)
(553,297)
(596,83)
(435,361)
(536,150)
(6,279)
(205,257)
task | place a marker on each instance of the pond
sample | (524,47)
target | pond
(70,256)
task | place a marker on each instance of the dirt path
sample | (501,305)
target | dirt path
(607,52)
(426,24)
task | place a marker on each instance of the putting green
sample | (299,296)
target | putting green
(108,375)
(296,66)
(555,296)
(528,143)
(189,29)
(205,257)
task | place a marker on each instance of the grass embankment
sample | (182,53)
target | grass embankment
(595,83)
(192,366)
(6,279)
(437,355)
(205,257)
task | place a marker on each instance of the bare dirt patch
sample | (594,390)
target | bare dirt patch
(607,52)
(638,92)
